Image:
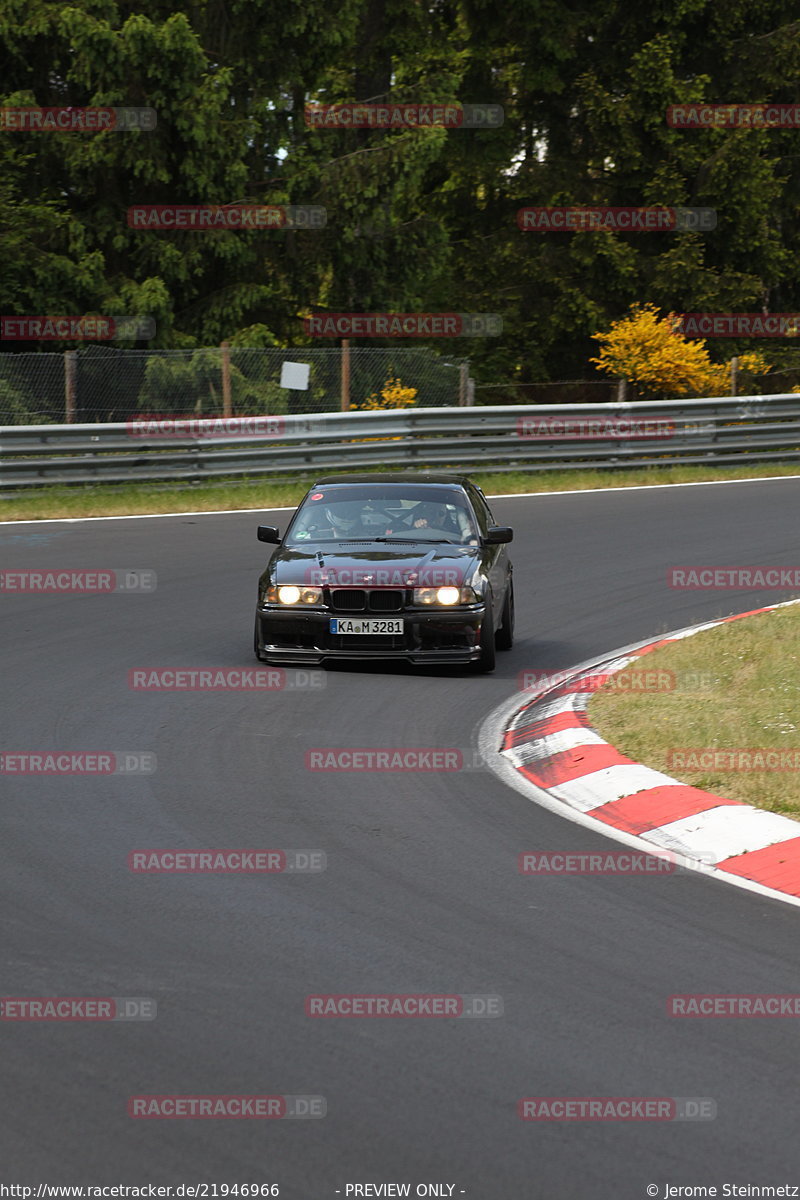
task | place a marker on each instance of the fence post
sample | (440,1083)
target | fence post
(621,389)
(734,375)
(70,386)
(463,376)
(227,410)
(345,374)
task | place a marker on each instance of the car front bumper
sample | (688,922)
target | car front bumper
(289,635)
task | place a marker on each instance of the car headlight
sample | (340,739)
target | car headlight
(291,595)
(445,596)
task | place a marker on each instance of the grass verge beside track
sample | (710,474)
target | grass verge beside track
(47,503)
(736,688)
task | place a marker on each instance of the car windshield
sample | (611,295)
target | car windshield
(378,512)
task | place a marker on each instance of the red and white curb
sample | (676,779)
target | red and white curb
(543,745)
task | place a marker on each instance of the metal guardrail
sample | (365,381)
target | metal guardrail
(745,429)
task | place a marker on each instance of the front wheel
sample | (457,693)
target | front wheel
(504,638)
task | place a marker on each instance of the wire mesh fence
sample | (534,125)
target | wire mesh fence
(31,388)
(100,383)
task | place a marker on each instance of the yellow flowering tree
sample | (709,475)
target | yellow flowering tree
(647,350)
(392,395)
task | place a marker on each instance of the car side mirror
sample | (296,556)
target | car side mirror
(269,533)
(496,534)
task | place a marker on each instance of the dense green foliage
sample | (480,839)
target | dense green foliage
(418,220)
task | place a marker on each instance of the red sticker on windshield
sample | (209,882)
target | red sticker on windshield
(317,495)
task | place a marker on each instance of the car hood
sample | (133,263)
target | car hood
(375,565)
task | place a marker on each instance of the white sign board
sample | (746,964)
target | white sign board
(295,375)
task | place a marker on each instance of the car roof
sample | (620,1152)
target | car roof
(436,478)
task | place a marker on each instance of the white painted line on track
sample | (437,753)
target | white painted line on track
(213,512)
(221,512)
(641,487)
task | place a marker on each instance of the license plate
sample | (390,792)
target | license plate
(341,625)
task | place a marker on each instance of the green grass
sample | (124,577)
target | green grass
(737,687)
(45,503)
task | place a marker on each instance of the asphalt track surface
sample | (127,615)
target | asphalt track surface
(421,893)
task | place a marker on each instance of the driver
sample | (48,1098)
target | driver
(425,515)
(343,526)
(358,523)
(450,519)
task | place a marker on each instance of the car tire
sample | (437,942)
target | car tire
(504,638)
(486,662)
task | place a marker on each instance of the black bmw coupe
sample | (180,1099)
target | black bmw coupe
(380,566)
